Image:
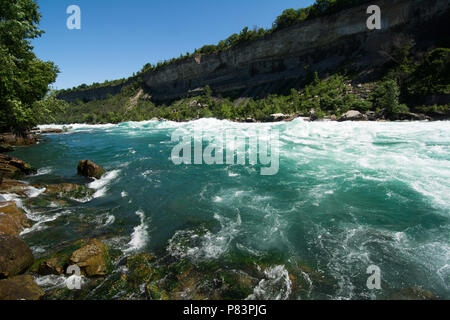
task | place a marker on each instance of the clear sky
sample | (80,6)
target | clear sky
(118,37)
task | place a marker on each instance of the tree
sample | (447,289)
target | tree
(386,96)
(24,79)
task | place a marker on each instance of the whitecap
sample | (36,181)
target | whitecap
(101,185)
(139,237)
(275,286)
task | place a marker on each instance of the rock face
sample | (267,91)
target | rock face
(89,169)
(12,219)
(282,58)
(353,115)
(15,256)
(17,140)
(92,258)
(14,168)
(20,288)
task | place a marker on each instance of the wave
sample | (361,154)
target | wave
(201,243)
(276,285)
(139,237)
(101,185)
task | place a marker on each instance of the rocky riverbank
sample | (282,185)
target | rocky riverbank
(17,263)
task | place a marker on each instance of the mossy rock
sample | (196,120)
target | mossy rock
(141,269)
(93,258)
(154,292)
(67,190)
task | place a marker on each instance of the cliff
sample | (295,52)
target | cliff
(283,59)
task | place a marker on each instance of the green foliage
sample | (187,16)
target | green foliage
(433,75)
(386,96)
(24,79)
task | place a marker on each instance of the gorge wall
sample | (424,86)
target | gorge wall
(283,58)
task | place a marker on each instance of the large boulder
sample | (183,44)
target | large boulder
(12,219)
(89,169)
(92,258)
(20,288)
(14,168)
(353,115)
(15,256)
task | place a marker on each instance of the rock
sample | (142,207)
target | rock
(54,265)
(279,117)
(51,130)
(12,219)
(415,293)
(413,117)
(12,139)
(6,148)
(15,256)
(93,258)
(20,288)
(250,120)
(14,186)
(371,115)
(14,168)
(89,169)
(70,190)
(333,117)
(353,115)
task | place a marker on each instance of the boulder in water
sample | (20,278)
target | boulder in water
(20,288)
(11,167)
(89,169)
(15,256)
(93,258)
(12,219)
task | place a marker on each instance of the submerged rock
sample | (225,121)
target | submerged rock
(12,219)
(15,256)
(92,258)
(70,190)
(14,186)
(20,288)
(89,169)
(415,293)
(11,167)
(353,115)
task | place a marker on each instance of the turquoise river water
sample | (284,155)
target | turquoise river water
(346,196)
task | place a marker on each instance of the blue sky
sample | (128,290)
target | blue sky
(118,37)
